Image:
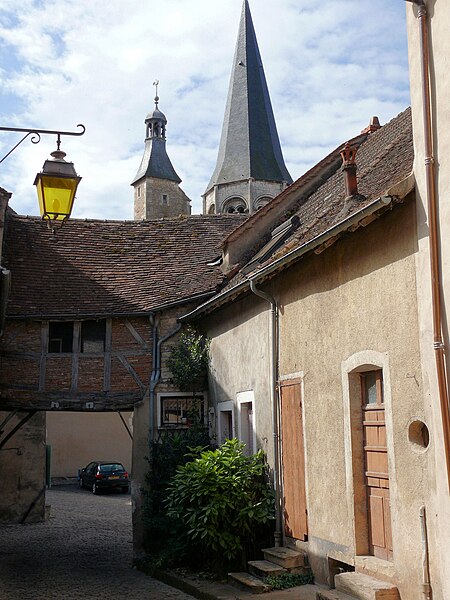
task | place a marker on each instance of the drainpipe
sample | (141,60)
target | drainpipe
(426,587)
(151,387)
(156,376)
(435,258)
(275,410)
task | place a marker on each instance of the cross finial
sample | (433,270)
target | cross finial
(156,83)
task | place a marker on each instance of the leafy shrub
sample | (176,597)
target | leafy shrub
(288,580)
(164,539)
(188,361)
(222,498)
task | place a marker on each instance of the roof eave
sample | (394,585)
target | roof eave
(395,194)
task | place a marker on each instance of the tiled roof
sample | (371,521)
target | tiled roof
(90,268)
(384,158)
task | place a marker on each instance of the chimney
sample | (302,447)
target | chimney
(348,154)
(374,125)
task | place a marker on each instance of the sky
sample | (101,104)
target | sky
(330,65)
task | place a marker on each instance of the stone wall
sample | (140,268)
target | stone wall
(157,198)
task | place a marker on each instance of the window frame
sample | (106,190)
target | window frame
(161,396)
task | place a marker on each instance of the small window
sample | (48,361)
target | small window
(60,337)
(178,410)
(139,190)
(372,387)
(164,199)
(93,335)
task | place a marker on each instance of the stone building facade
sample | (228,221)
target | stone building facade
(157,191)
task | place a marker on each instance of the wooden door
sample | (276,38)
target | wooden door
(376,466)
(293,460)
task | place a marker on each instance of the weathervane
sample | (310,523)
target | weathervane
(156,83)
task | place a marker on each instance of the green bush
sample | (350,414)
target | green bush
(222,498)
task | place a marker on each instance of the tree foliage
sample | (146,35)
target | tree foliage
(188,361)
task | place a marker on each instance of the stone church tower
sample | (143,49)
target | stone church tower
(157,192)
(250,168)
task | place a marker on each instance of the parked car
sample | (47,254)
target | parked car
(104,475)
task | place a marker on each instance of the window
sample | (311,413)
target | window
(178,409)
(139,191)
(60,337)
(235,205)
(225,422)
(93,335)
(372,387)
(247,431)
(164,199)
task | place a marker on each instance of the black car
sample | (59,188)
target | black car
(104,475)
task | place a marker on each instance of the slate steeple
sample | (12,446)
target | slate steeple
(156,184)
(250,167)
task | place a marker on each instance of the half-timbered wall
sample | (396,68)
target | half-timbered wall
(113,379)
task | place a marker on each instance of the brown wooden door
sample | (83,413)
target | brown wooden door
(376,466)
(293,458)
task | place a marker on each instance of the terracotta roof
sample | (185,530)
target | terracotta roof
(384,158)
(90,268)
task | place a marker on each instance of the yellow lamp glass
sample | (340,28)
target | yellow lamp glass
(56,195)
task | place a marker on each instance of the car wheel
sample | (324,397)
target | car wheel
(125,490)
(94,489)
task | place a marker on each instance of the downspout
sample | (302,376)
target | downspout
(151,387)
(156,376)
(274,403)
(426,587)
(435,258)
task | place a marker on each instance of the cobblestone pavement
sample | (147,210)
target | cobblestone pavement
(83,551)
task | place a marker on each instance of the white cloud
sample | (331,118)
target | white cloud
(330,66)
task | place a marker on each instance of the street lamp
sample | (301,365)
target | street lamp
(57,183)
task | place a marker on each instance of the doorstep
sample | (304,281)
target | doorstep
(207,590)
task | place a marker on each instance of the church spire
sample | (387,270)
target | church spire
(249,148)
(156,184)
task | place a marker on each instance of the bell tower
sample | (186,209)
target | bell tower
(157,191)
(250,168)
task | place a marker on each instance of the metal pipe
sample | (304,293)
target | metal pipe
(151,398)
(275,409)
(426,587)
(435,258)
(156,376)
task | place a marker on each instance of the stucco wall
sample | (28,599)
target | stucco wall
(438,505)
(79,438)
(356,297)
(240,362)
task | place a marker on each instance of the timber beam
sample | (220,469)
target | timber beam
(80,402)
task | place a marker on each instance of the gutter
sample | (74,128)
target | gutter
(80,317)
(295,254)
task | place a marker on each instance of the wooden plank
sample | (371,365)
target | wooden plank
(43,357)
(132,372)
(108,360)
(293,459)
(135,334)
(114,402)
(75,355)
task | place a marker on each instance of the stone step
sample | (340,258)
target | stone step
(285,557)
(263,568)
(332,595)
(363,587)
(248,583)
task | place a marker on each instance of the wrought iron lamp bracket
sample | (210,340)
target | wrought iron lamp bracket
(36,135)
